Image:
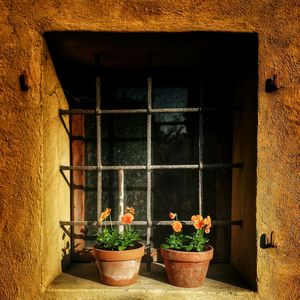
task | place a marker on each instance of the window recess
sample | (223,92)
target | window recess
(162,122)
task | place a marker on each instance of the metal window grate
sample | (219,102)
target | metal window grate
(149,166)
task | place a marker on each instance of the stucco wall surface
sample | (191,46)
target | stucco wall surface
(23,140)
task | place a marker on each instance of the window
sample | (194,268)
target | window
(156,124)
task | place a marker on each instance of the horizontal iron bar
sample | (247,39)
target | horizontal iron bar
(109,168)
(174,110)
(153,167)
(222,166)
(105,189)
(136,223)
(152,110)
(159,167)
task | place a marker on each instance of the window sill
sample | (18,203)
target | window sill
(81,281)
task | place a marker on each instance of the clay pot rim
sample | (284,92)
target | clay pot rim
(116,255)
(183,251)
(188,256)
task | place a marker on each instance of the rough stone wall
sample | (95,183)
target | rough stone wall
(21,132)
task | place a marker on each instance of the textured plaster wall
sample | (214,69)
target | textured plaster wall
(23,173)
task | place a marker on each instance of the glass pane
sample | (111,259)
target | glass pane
(175,138)
(124,139)
(173,191)
(91,196)
(90,126)
(175,90)
(217,127)
(123,93)
(168,97)
(176,191)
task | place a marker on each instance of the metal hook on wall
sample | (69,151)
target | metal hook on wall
(272,84)
(266,242)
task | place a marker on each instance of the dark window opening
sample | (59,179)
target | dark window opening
(189,88)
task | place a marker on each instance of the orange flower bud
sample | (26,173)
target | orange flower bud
(207,230)
(172,215)
(104,215)
(127,218)
(130,210)
(177,226)
(207,223)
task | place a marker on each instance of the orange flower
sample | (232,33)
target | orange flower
(127,218)
(172,216)
(196,218)
(130,210)
(104,215)
(177,226)
(198,221)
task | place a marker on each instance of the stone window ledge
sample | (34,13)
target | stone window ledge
(81,281)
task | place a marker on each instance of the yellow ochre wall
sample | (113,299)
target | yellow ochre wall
(33,195)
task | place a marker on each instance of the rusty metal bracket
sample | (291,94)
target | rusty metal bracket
(271,84)
(266,242)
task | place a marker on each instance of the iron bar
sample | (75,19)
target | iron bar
(79,168)
(98,147)
(166,167)
(65,177)
(128,111)
(64,124)
(66,231)
(94,188)
(175,110)
(123,111)
(156,223)
(144,111)
(153,167)
(222,166)
(117,139)
(76,111)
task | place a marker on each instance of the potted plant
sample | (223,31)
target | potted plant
(118,254)
(186,257)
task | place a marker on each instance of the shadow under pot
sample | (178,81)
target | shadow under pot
(119,268)
(186,269)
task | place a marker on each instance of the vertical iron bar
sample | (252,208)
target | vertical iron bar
(98,139)
(121,197)
(201,144)
(149,184)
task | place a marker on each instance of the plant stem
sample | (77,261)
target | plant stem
(110,222)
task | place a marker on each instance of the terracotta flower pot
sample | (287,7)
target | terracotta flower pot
(186,269)
(119,268)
